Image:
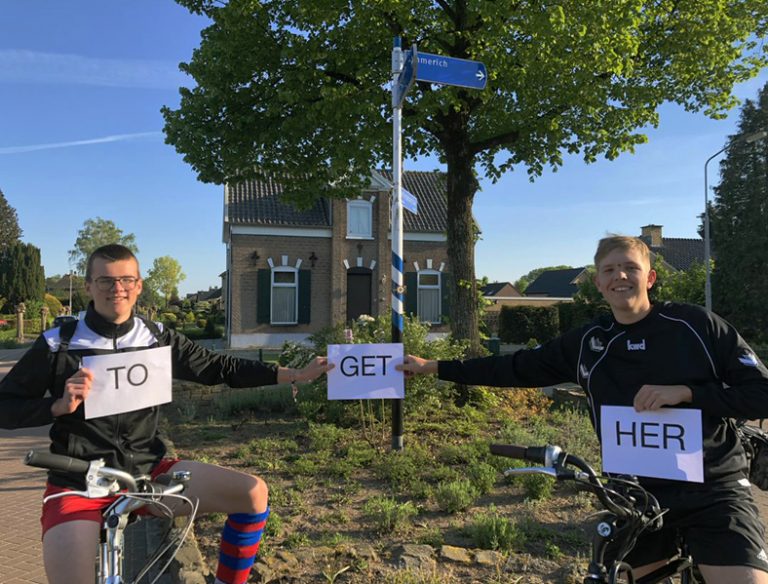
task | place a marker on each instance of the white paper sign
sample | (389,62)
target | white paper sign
(125,382)
(366,371)
(664,443)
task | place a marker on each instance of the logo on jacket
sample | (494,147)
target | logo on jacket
(635,346)
(748,359)
(596,344)
(584,371)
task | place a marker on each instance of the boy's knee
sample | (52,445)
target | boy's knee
(259,495)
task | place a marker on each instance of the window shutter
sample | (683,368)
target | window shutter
(305,295)
(263,294)
(445,293)
(411,292)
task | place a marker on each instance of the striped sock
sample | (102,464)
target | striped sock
(240,546)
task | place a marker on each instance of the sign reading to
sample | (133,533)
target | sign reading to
(366,371)
(125,382)
(665,444)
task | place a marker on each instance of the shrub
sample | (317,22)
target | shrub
(491,531)
(517,324)
(455,495)
(483,477)
(389,516)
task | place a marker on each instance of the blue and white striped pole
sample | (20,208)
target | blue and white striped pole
(398,287)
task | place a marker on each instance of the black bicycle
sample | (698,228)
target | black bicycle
(630,510)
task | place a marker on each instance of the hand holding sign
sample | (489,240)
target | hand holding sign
(76,389)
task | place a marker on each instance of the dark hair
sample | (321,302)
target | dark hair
(112,252)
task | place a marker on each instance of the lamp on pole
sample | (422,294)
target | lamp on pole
(748,138)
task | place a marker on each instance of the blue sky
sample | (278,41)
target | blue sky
(81,87)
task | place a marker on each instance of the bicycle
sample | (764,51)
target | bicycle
(629,511)
(132,493)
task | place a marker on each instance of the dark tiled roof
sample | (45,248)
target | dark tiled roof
(679,253)
(430,189)
(555,283)
(258,202)
(494,288)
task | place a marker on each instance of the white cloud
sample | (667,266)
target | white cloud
(102,140)
(21,66)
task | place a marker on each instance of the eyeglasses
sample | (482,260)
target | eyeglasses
(106,283)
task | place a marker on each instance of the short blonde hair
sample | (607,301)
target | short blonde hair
(623,242)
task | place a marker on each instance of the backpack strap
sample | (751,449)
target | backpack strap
(66,332)
(152,326)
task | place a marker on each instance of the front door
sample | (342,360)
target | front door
(358,292)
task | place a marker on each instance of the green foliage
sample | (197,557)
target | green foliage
(257,111)
(389,516)
(22,278)
(164,276)
(491,531)
(455,496)
(739,216)
(10,232)
(94,234)
(517,324)
(272,399)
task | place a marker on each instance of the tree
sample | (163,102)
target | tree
(22,278)
(94,234)
(739,226)
(164,276)
(524,281)
(10,232)
(301,90)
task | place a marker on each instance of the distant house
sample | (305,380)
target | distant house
(557,283)
(678,253)
(291,273)
(212,296)
(499,290)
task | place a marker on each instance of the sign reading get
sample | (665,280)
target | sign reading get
(366,371)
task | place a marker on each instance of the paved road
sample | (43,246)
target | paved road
(21,489)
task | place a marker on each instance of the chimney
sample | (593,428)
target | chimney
(652,235)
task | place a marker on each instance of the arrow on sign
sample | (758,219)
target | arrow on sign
(451,71)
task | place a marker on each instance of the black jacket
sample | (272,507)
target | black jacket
(128,441)
(675,344)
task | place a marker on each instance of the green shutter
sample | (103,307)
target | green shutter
(305,295)
(411,293)
(445,294)
(263,295)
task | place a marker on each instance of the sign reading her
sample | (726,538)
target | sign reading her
(366,371)
(665,443)
(125,382)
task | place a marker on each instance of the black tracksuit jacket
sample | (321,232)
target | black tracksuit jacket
(129,441)
(676,344)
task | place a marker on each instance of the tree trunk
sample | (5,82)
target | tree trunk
(461,190)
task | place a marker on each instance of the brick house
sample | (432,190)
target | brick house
(678,253)
(291,273)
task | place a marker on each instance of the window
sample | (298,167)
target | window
(428,307)
(285,298)
(359,219)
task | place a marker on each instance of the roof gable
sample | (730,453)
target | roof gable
(556,283)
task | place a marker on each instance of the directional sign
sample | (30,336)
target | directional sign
(451,71)
(410,202)
(406,78)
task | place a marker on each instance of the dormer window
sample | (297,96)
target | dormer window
(359,219)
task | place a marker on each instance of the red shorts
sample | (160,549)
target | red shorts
(74,508)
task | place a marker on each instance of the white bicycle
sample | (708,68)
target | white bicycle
(133,493)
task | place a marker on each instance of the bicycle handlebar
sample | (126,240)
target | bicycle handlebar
(59,462)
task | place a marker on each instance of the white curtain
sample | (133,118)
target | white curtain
(284,304)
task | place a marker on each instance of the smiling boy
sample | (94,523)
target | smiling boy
(651,356)
(48,386)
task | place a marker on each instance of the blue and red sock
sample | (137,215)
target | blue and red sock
(240,546)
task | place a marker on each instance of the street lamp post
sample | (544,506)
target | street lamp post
(748,138)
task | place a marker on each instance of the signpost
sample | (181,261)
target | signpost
(451,71)
(408,67)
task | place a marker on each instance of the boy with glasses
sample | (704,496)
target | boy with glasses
(49,386)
